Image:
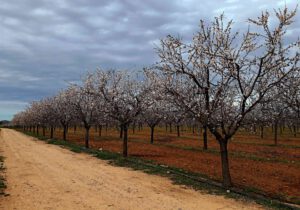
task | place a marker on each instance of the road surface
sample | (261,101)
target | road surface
(42,176)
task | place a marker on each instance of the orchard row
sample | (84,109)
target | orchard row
(222,79)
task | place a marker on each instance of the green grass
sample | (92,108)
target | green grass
(2,180)
(178,176)
(72,147)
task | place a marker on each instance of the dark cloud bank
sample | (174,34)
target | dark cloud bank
(45,44)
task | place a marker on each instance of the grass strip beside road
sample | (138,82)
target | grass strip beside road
(2,179)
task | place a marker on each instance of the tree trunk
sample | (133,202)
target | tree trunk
(121,132)
(178,130)
(87,136)
(225,163)
(295,131)
(100,130)
(37,130)
(44,131)
(65,132)
(170,124)
(276,133)
(261,131)
(152,134)
(75,128)
(133,128)
(204,137)
(125,140)
(51,132)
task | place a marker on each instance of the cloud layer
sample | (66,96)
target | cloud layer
(45,44)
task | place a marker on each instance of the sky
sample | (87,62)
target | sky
(45,45)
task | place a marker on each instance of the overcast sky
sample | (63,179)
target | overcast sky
(46,44)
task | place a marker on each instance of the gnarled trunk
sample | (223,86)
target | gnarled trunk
(178,130)
(152,134)
(125,140)
(225,163)
(100,130)
(204,137)
(87,136)
(65,132)
(51,132)
(121,131)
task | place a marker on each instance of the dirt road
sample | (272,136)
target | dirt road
(42,176)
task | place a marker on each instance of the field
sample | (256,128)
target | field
(255,163)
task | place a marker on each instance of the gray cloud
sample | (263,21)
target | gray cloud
(44,44)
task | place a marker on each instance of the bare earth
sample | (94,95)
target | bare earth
(42,176)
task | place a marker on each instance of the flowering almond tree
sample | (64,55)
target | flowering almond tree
(48,115)
(155,111)
(19,120)
(86,105)
(63,109)
(232,73)
(38,115)
(123,96)
(182,98)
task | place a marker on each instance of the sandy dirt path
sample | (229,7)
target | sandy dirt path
(42,176)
